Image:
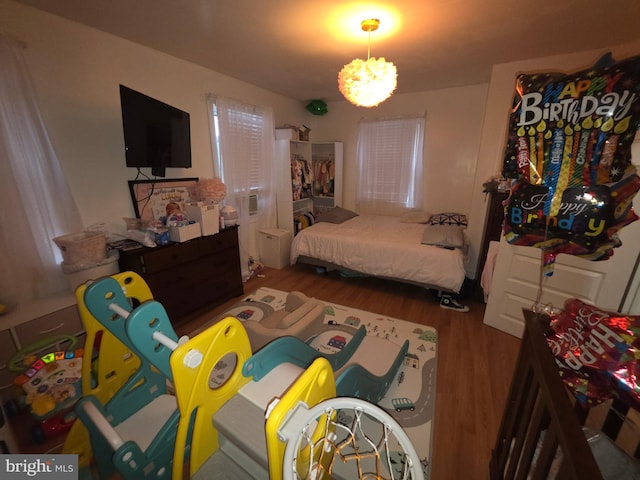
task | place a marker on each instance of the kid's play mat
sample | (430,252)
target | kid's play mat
(411,397)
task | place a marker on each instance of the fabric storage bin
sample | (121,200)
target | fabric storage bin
(184,233)
(287,133)
(207,215)
(274,245)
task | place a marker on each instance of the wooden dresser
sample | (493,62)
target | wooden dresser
(493,225)
(191,276)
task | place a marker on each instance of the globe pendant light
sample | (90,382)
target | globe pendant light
(368,83)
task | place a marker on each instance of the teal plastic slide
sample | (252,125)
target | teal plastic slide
(353,379)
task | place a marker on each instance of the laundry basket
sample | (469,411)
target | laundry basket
(83,248)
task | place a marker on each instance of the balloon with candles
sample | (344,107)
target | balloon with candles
(568,153)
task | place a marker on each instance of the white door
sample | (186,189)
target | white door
(516,280)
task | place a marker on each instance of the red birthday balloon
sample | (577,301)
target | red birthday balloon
(597,351)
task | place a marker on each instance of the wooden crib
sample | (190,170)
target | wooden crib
(541,435)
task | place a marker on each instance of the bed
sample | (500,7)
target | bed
(543,432)
(387,247)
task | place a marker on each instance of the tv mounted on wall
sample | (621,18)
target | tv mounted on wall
(156,135)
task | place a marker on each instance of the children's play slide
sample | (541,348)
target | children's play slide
(228,405)
(382,357)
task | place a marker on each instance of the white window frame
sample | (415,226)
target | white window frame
(390,156)
(254,195)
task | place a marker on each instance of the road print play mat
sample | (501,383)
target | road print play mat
(411,397)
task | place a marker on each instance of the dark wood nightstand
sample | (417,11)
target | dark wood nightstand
(493,225)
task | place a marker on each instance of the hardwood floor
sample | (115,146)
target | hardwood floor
(475,362)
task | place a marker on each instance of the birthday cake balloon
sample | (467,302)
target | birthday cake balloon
(569,154)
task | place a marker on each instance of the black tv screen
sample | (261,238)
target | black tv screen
(156,135)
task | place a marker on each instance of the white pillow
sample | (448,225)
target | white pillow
(447,236)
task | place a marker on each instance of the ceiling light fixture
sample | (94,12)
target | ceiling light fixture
(368,83)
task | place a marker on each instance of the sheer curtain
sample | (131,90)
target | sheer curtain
(37,204)
(243,143)
(390,157)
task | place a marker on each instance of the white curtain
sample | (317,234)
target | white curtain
(37,204)
(244,146)
(390,158)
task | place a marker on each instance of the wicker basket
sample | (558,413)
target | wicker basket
(84,248)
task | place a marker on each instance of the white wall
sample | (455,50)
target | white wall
(452,136)
(77,72)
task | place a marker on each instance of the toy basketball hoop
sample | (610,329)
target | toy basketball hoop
(347,438)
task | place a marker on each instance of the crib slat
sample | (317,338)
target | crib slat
(541,404)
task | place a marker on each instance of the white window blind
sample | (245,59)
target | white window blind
(246,127)
(390,158)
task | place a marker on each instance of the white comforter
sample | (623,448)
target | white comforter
(382,246)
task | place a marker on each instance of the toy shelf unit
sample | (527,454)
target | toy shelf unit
(44,324)
(310,179)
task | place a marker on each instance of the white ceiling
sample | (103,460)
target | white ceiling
(297,47)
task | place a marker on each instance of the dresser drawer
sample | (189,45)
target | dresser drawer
(168,257)
(227,238)
(61,322)
(198,283)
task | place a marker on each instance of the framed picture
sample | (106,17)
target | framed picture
(151,197)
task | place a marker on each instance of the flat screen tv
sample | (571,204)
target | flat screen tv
(156,135)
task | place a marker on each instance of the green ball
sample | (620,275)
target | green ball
(317,107)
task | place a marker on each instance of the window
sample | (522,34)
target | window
(247,125)
(33,184)
(254,188)
(243,144)
(390,157)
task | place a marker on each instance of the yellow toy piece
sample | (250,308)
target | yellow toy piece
(42,404)
(115,362)
(316,384)
(205,388)
(29,359)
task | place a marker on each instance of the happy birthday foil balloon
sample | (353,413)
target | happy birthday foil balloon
(598,352)
(569,152)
